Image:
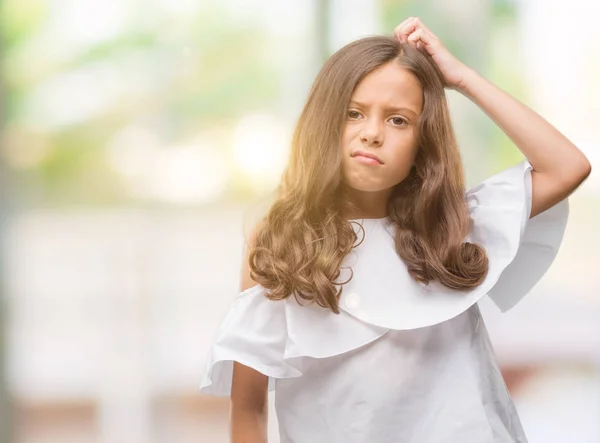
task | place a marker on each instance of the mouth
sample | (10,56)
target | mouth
(367,157)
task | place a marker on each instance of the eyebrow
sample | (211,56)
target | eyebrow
(389,108)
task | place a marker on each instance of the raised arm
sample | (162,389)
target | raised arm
(558,166)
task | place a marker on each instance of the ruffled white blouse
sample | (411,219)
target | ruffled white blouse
(403,362)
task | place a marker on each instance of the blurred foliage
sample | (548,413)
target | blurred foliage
(176,76)
(189,74)
(505,70)
(18,18)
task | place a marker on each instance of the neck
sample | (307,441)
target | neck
(368,204)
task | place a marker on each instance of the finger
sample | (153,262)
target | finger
(420,25)
(403,30)
(400,30)
(417,36)
(405,21)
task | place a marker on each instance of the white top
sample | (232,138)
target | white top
(402,362)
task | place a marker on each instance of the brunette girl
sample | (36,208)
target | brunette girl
(359,290)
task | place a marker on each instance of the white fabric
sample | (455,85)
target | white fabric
(402,362)
(500,208)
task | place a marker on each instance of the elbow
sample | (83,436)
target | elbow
(588,168)
(574,169)
(583,168)
(573,173)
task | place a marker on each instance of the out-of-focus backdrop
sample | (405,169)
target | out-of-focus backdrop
(138,137)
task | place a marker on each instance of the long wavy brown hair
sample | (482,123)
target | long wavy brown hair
(299,245)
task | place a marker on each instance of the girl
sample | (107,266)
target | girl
(359,292)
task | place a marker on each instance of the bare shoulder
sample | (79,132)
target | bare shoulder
(246,281)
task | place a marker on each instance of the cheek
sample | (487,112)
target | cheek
(403,158)
(405,147)
(347,136)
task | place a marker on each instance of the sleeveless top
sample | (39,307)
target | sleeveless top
(403,362)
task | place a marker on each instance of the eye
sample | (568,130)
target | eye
(399,121)
(353,115)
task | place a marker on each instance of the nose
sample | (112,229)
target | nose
(372,133)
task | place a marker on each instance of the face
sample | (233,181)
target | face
(380,121)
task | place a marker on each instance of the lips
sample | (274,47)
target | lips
(367,154)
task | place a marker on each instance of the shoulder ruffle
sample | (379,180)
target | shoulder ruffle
(278,338)
(520,251)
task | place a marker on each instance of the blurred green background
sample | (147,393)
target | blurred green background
(97,94)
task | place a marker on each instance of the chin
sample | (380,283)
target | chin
(369,187)
(372,184)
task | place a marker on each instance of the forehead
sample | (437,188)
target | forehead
(390,85)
